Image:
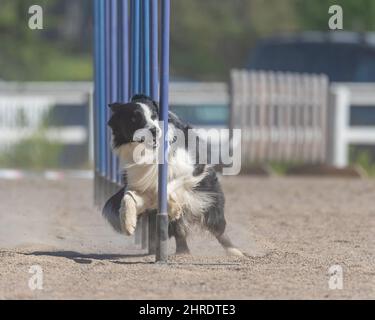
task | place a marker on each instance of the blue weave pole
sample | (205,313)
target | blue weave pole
(154,78)
(101,89)
(96,121)
(146,47)
(135,47)
(162,216)
(124,51)
(96,86)
(126,63)
(124,83)
(114,77)
(107,42)
(154,67)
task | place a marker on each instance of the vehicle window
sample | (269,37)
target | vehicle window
(203,115)
(341,62)
(366,69)
(363,116)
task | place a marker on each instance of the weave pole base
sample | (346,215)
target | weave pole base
(161,238)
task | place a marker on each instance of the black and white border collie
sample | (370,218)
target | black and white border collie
(195,196)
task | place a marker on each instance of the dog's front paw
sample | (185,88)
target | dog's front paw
(128,214)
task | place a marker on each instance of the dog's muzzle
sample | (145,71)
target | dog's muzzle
(151,132)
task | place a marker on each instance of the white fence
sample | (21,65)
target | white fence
(341,134)
(282,116)
(198,93)
(23,106)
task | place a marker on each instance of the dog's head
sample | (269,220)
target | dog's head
(128,119)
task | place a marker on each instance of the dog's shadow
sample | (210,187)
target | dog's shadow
(85,258)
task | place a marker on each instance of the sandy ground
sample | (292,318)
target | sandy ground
(292,229)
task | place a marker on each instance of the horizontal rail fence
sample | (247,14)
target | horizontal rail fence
(345,98)
(282,116)
(26,108)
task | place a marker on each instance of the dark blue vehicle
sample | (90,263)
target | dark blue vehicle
(343,56)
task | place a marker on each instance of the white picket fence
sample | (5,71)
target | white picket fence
(341,135)
(23,107)
(282,116)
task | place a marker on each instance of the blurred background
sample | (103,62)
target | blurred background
(303,96)
(301,93)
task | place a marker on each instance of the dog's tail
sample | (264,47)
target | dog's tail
(112,208)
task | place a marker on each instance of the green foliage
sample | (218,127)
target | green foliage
(35,152)
(280,168)
(63,68)
(46,54)
(209,37)
(363,158)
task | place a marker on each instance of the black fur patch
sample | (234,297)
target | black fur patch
(125,121)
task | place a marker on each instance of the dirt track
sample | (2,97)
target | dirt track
(293,230)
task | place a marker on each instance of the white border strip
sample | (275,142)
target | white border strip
(54,175)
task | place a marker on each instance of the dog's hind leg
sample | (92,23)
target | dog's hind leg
(216,224)
(213,215)
(178,231)
(227,244)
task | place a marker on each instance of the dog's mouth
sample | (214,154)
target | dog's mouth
(150,144)
(152,140)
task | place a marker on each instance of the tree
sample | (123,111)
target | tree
(212,36)
(46,54)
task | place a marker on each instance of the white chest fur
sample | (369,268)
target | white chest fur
(143,179)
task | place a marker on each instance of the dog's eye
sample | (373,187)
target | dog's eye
(133,119)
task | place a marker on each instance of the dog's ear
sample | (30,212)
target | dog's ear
(141,97)
(144,98)
(117,106)
(156,106)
